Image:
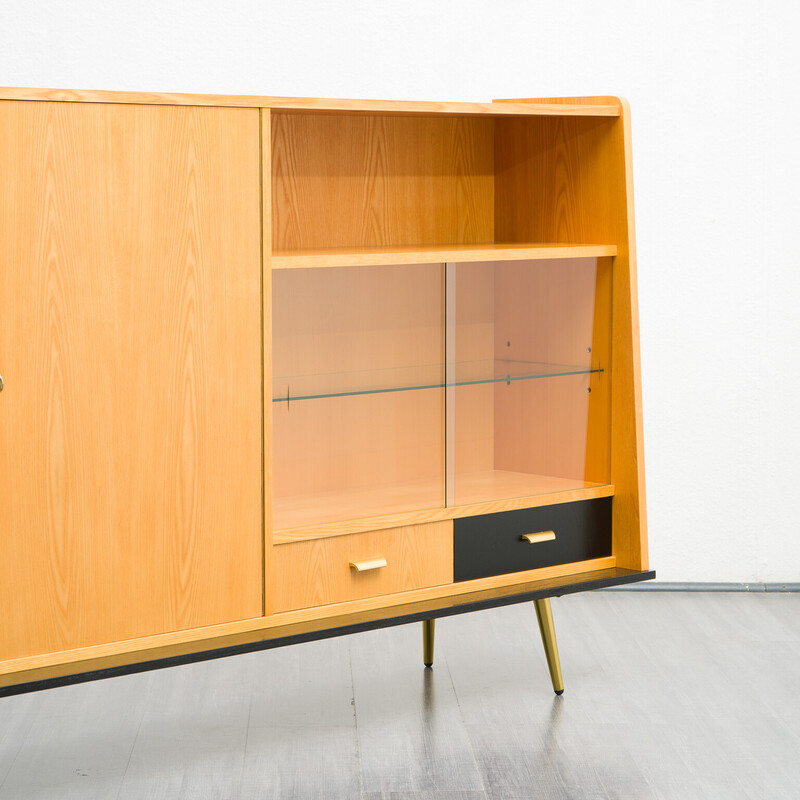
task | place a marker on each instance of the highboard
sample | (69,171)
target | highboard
(276,369)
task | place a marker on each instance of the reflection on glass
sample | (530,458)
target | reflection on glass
(549,319)
(346,453)
(401,388)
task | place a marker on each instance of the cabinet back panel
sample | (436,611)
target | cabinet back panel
(556,181)
(350,180)
(130,453)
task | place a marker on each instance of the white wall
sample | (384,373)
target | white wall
(716,125)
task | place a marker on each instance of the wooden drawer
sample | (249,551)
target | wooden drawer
(493,544)
(318,572)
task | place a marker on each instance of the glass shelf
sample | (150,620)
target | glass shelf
(412,378)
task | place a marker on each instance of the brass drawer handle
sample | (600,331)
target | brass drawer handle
(364,566)
(535,538)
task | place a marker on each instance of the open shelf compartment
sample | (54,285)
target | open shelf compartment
(382,188)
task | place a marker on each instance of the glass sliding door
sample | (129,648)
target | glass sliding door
(358,392)
(528,377)
(401,388)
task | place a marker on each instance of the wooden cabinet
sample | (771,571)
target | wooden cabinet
(275,368)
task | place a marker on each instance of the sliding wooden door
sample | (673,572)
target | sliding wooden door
(130,348)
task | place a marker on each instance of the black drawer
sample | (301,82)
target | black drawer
(492,544)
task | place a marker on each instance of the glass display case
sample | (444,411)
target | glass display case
(420,386)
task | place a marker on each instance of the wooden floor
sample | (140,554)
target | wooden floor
(668,695)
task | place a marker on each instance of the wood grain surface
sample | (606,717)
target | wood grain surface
(584,174)
(290,623)
(374,180)
(480,492)
(130,447)
(313,104)
(433,254)
(267,478)
(318,572)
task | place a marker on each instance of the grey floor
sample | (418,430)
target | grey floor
(668,695)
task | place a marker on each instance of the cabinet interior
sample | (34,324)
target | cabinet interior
(359,180)
(463,379)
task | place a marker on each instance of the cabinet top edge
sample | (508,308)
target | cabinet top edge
(609,107)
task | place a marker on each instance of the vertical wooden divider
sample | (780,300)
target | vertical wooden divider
(450,272)
(265,140)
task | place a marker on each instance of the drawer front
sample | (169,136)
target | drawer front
(318,572)
(493,544)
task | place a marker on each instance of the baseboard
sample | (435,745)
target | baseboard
(692,586)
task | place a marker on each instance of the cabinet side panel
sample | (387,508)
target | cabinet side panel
(350,180)
(578,173)
(130,448)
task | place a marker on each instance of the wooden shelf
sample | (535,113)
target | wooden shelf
(349,511)
(434,254)
(492,485)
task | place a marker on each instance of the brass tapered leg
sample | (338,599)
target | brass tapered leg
(545,616)
(428,628)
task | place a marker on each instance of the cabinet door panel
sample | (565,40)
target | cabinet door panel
(130,421)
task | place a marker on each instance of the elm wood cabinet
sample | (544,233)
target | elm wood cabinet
(280,368)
